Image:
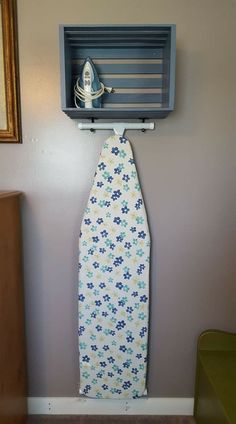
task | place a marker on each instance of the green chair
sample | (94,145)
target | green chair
(215,390)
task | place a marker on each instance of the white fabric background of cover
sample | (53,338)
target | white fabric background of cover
(114,251)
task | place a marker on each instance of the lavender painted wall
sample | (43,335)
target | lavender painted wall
(186,168)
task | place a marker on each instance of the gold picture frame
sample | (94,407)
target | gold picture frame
(10,126)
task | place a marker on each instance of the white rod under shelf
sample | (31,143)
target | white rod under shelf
(118,127)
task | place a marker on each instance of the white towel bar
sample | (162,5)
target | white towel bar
(118,127)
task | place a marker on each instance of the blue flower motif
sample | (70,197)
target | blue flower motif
(125,209)
(134,294)
(123,348)
(98,302)
(130,339)
(99,221)
(134,371)
(139,355)
(87,221)
(117,220)
(129,309)
(118,261)
(133,229)
(106,297)
(104,233)
(142,234)
(123,140)
(121,324)
(143,298)
(81,297)
(93,200)
(98,328)
(95,265)
(100,184)
(90,285)
(95,239)
(128,245)
(110,179)
(101,166)
(119,285)
(111,360)
(87,388)
(102,285)
(102,250)
(116,194)
(112,246)
(126,385)
(85,358)
(94,348)
(103,364)
(127,275)
(115,151)
(104,313)
(105,347)
(105,387)
(81,330)
(126,177)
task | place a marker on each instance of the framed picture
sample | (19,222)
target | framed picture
(10,129)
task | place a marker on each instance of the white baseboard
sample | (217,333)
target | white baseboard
(84,406)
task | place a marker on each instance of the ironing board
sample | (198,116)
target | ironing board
(114,249)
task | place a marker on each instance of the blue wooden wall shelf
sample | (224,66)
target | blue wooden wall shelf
(138,61)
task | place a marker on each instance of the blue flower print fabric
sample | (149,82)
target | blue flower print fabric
(114,251)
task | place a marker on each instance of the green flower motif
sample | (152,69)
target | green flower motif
(136,305)
(135,242)
(93,228)
(140,252)
(89,274)
(111,280)
(124,223)
(87,307)
(115,367)
(139,220)
(121,166)
(126,288)
(81,315)
(96,292)
(128,254)
(142,316)
(135,378)
(84,243)
(100,354)
(103,268)
(144,346)
(99,395)
(135,392)
(101,203)
(124,299)
(137,187)
(130,318)
(122,154)
(126,269)
(133,174)
(88,321)
(86,374)
(106,175)
(141,284)
(106,145)
(108,242)
(87,210)
(85,258)
(81,284)
(141,366)
(130,351)
(108,215)
(111,256)
(109,189)
(94,381)
(106,331)
(93,337)
(113,319)
(113,343)
(126,187)
(124,203)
